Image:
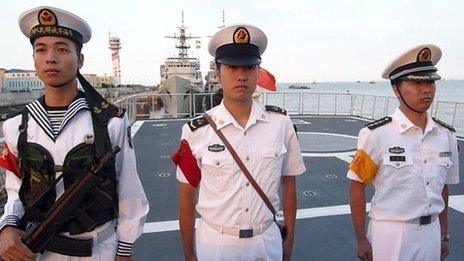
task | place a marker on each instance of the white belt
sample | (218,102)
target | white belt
(105,233)
(240,233)
(100,236)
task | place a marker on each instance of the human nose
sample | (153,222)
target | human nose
(51,57)
(241,75)
(426,87)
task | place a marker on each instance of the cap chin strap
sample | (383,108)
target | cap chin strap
(407,105)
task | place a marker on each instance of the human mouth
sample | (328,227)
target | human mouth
(51,71)
(241,87)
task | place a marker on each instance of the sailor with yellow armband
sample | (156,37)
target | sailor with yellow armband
(409,158)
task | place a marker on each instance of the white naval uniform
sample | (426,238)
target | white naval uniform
(408,188)
(269,148)
(133,204)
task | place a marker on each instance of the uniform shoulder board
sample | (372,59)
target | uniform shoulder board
(120,112)
(275,109)
(6,116)
(444,124)
(197,123)
(379,122)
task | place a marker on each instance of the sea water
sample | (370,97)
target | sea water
(449,90)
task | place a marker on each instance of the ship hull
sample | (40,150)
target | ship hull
(177,96)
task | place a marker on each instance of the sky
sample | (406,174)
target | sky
(312,40)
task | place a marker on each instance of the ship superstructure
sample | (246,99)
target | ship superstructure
(180,76)
(212,79)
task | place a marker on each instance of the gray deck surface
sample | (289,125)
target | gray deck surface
(317,238)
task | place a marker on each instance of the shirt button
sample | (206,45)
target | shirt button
(397,164)
(275,154)
(217,163)
(248,184)
(247,158)
(246,210)
(430,205)
(425,161)
(427,183)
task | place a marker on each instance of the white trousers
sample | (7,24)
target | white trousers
(401,241)
(211,245)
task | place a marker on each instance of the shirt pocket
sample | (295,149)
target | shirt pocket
(217,171)
(443,165)
(271,163)
(398,174)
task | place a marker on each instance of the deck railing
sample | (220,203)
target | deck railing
(147,105)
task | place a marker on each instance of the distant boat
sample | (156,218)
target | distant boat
(371,82)
(299,87)
(358,81)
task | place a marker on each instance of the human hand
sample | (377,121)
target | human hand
(364,250)
(444,250)
(287,248)
(11,246)
(123,258)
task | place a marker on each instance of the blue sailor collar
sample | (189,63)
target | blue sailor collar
(224,117)
(38,111)
(404,124)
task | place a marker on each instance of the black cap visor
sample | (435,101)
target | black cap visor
(240,60)
(238,54)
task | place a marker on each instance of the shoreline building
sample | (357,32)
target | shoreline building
(2,79)
(19,80)
(114,44)
(104,81)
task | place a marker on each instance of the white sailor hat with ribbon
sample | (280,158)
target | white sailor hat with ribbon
(416,64)
(52,21)
(239,44)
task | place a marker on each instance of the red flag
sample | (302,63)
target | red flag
(266,79)
(183,157)
(8,161)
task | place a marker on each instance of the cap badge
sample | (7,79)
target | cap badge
(241,35)
(424,55)
(47,17)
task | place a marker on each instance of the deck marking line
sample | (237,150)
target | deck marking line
(456,202)
(135,127)
(173,225)
(345,157)
(328,134)
(164,226)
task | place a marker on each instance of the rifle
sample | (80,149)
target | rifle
(40,234)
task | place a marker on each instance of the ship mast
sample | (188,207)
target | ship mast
(182,45)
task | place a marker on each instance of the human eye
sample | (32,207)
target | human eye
(63,50)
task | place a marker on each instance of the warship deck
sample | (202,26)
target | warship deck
(324,230)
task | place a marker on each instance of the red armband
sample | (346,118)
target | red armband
(8,161)
(184,159)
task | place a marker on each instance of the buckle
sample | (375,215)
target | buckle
(424,220)
(245,233)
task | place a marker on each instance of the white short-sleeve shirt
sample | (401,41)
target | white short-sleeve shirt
(408,167)
(268,147)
